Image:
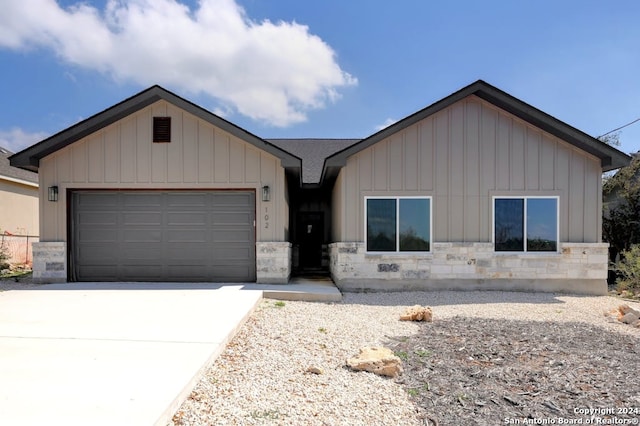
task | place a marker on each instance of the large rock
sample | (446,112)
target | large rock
(629,318)
(378,360)
(417,313)
(627,314)
(626,309)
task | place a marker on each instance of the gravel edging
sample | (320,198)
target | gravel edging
(261,377)
(22,284)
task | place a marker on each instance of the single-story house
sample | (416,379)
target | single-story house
(18,198)
(477,191)
(18,210)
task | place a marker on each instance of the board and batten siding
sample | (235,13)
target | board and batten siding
(199,156)
(462,156)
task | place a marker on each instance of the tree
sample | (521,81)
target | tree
(612,139)
(621,218)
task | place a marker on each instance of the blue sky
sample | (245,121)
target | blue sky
(331,68)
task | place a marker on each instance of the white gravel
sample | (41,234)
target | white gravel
(262,378)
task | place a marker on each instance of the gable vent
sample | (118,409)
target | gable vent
(161,129)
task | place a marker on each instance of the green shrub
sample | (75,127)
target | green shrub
(629,269)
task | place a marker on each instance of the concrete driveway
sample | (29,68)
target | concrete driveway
(110,354)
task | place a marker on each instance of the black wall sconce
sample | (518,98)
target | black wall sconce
(266,193)
(53,193)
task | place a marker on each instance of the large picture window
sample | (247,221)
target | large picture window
(398,224)
(528,224)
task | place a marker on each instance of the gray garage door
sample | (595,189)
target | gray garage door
(163,236)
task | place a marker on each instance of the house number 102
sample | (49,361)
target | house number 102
(266,218)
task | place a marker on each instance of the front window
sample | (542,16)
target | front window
(398,224)
(528,224)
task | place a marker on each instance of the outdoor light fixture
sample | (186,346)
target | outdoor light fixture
(53,193)
(266,193)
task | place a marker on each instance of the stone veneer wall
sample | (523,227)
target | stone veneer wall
(50,262)
(577,268)
(273,262)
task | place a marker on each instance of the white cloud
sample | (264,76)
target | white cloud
(388,122)
(271,72)
(17,139)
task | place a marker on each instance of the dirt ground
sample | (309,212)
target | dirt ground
(470,371)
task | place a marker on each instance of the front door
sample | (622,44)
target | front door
(310,235)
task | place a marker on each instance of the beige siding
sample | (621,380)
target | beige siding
(200,156)
(462,157)
(18,208)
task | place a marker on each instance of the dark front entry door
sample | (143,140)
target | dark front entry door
(310,236)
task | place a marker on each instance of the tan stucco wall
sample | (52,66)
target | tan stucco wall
(200,156)
(18,208)
(462,156)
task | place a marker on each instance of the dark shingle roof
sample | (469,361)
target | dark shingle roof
(6,170)
(313,153)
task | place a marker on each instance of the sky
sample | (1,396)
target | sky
(317,69)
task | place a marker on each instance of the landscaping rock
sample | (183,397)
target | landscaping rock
(626,309)
(315,370)
(417,313)
(629,318)
(378,360)
(627,315)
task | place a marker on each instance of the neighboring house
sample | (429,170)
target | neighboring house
(18,198)
(477,191)
(18,210)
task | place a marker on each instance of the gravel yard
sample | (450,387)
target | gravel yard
(488,358)
(23,284)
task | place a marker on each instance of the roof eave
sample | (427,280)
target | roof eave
(20,181)
(610,157)
(29,158)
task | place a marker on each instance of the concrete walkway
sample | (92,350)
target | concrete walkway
(309,289)
(120,353)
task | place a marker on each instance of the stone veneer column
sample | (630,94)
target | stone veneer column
(50,262)
(273,262)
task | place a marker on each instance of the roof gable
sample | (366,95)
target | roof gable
(29,158)
(610,158)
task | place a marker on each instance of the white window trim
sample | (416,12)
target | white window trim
(398,198)
(525,198)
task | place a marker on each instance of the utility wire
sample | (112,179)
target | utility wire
(619,128)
